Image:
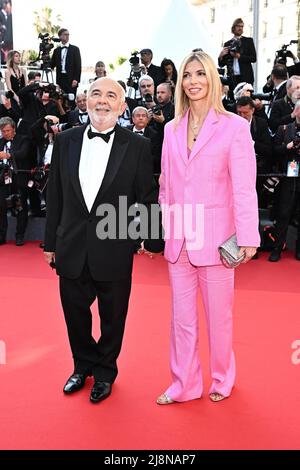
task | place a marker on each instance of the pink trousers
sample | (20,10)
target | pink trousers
(217,288)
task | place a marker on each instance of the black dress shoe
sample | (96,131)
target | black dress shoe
(74,383)
(2,242)
(275,255)
(100,391)
(19,240)
(297,253)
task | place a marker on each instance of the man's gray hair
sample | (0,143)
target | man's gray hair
(146,78)
(7,121)
(289,83)
(139,108)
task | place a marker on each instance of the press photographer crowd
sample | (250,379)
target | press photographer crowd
(34,110)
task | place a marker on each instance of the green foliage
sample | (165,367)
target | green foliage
(44,23)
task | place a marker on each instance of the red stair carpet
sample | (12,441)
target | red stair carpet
(262,413)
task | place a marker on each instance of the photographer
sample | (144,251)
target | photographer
(287,149)
(66,59)
(282,111)
(38,100)
(14,155)
(10,108)
(238,54)
(152,70)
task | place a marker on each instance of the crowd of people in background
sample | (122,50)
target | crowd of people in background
(32,112)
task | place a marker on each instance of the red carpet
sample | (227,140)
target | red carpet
(262,413)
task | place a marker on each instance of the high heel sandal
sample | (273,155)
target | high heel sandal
(215,396)
(164,399)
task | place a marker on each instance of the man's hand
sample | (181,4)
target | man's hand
(74,83)
(248,251)
(236,55)
(290,145)
(54,119)
(142,251)
(49,256)
(4,155)
(6,102)
(224,52)
(158,118)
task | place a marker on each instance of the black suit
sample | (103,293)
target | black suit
(281,113)
(90,267)
(155,72)
(248,56)
(21,158)
(73,68)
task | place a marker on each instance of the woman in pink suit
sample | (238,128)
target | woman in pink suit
(207,193)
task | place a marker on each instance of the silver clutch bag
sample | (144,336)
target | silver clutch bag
(229,251)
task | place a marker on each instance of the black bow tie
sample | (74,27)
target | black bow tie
(64,47)
(105,137)
(83,114)
(139,132)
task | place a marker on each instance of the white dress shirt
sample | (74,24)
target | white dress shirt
(64,53)
(93,162)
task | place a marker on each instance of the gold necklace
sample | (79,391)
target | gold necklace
(193,127)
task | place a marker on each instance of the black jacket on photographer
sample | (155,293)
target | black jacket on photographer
(41,138)
(14,112)
(248,55)
(168,111)
(284,135)
(281,113)
(262,143)
(33,108)
(20,150)
(289,186)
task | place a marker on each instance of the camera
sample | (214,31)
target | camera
(9,94)
(55,92)
(157,109)
(135,74)
(261,96)
(234,45)
(44,51)
(148,98)
(5,171)
(282,54)
(14,203)
(296,141)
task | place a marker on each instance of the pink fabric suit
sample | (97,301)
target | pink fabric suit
(219,177)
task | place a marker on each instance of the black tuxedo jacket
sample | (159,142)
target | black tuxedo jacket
(73,63)
(71,228)
(263,142)
(155,72)
(73,118)
(22,158)
(281,113)
(248,55)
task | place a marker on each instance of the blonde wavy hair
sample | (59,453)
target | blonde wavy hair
(214,96)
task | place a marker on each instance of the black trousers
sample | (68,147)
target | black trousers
(22,216)
(288,198)
(98,357)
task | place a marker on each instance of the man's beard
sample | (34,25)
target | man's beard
(109,119)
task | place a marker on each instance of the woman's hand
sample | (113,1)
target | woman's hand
(248,251)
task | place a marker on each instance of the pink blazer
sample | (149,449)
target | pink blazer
(213,188)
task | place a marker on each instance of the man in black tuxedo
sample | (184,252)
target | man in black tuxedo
(238,62)
(66,59)
(153,70)
(14,152)
(282,111)
(92,167)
